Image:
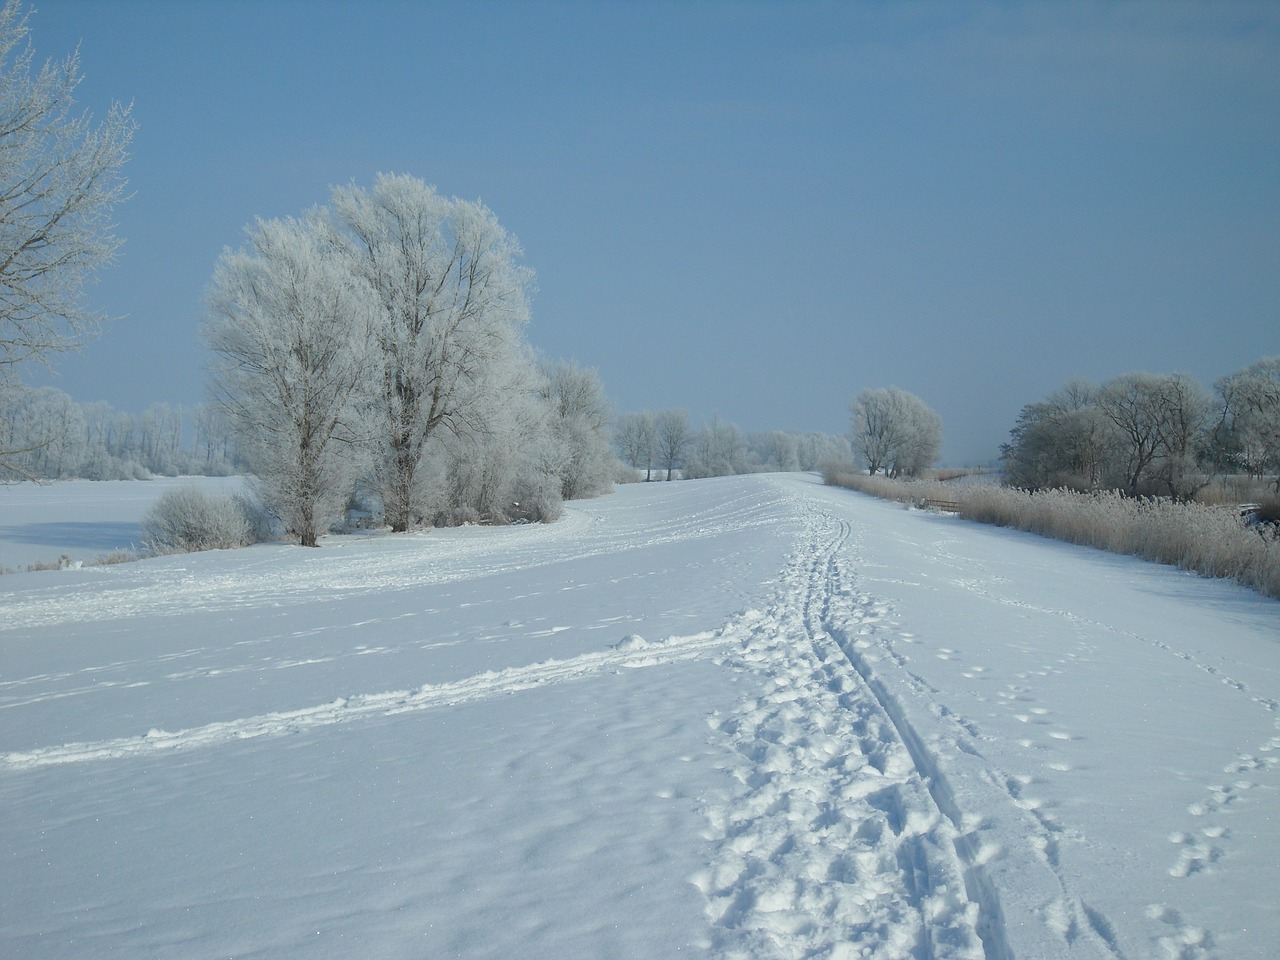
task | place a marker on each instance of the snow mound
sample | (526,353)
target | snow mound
(632,641)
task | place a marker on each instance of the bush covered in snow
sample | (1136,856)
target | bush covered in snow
(188,519)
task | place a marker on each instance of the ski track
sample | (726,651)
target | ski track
(846,837)
(844,840)
(631,653)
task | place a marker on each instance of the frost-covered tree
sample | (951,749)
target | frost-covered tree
(1062,441)
(895,431)
(43,432)
(673,439)
(578,413)
(817,450)
(1184,437)
(289,328)
(1140,433)
(717,450)
(452,296)
(635,438)
(1248,435)
(774,451)
(59,180)
(212,450)
(509,471)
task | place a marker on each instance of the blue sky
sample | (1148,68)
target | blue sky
(753,210)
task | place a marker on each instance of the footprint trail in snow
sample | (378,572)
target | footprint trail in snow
(842,841)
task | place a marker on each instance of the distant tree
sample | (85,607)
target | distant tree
(635,438)
(59,179)
(212,448)
(775,451)
(1160,423)
(717,450)
(1062,441)
(289,328)
(579,420)
(673,439)
(1185,437)
(43,432)
(451,296)
(1248,433)
(816,450)
(895,431)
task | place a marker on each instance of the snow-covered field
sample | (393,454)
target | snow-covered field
(748,717)
(81,519)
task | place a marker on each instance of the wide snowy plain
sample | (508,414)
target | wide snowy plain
(746,717)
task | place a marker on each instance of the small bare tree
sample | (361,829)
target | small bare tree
(1160,422)
(674,438)
(635,438)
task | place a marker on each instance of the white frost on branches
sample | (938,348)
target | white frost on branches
(59,180)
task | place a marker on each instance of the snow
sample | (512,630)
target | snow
(743,717)
(82,519)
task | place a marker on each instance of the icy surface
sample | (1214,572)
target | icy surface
(750,717)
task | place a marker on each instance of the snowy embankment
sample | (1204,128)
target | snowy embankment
(750,717)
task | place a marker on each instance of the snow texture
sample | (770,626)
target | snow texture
(735,718)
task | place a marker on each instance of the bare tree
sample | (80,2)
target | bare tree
(775,451)
(673,439)
(1161,422)
(289,329)
(1249,431)
(59,180)
(452,296)
(1184,436)
(635,438)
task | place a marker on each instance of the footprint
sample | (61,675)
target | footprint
(1195,855)
(1184,941)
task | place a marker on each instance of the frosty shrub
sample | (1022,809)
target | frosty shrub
(1207,539)
(186,519)
(536,498)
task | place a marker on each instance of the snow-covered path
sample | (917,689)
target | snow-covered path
(750,717)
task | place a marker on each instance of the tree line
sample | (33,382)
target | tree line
(1150,434)
(661,444)
(46,435)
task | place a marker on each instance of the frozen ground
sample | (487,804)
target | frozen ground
(750,717)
